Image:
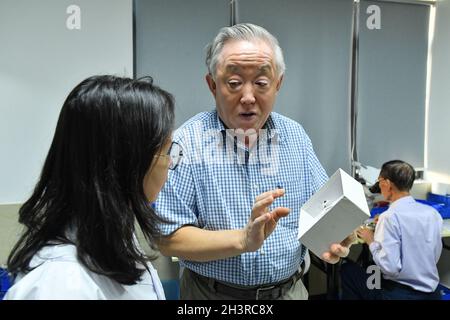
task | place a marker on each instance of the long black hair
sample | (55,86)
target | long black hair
(107,134)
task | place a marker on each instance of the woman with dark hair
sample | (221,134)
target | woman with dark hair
(108,161)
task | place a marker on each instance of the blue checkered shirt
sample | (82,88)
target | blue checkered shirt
(215,190)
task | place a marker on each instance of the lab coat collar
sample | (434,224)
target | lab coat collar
(61,252)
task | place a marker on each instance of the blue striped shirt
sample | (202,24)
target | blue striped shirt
(215,186)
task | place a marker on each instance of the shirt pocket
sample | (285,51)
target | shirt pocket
(293,199)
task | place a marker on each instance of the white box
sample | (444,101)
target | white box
(332,213)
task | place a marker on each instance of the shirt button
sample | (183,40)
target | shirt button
(255,186)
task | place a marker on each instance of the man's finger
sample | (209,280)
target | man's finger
(279,212)
(274,193)
(263,204)
(263,195)
(360,232)
(261,221)
(330,258)
(339,250)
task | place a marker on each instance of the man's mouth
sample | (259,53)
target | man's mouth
(247,115)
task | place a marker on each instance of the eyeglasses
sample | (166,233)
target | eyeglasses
(175,155)
(376,187)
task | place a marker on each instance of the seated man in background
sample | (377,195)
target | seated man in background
(406,244)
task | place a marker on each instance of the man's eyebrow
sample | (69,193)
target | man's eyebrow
(265,69)
(232,68)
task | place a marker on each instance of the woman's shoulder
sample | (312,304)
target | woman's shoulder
(56,274)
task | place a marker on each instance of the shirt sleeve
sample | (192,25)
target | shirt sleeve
(386,248)
(318,174)
(176,202)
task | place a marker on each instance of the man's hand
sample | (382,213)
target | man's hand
(376,218)
(262,222)
(366,234)
(339,250)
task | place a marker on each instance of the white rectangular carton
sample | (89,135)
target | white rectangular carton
(332,213)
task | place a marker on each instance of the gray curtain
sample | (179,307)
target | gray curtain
(392,84)
(315,36)
(170,39)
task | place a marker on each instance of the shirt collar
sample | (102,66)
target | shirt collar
(220,125)
(407,199)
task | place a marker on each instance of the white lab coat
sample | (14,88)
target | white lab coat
(59,275)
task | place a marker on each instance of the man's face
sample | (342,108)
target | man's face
(385,187)
(246,84)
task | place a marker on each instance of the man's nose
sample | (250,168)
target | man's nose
(248,96)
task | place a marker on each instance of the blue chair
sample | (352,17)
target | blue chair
(5,282)
(171,289)
(445,292)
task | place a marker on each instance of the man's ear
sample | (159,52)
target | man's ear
(211,84)
(388,182)
(390,185)
(280,80)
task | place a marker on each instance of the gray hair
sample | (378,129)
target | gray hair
(242,31)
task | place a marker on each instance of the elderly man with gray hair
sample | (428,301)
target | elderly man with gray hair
(235,199)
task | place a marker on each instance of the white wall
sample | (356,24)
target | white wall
(439,109)
(41,60)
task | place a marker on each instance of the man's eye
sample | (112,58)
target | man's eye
(262,83)
(234,84)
